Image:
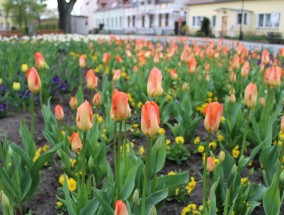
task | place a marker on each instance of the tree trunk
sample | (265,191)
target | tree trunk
(65,10)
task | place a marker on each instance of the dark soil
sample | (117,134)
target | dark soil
(45,201)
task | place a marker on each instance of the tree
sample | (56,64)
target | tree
(65,8)
(24,12)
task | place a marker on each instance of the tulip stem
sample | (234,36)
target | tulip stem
(84,156)
(118,159)
(124,143)
(227,201)
(32,116)
(146,173)
(114,157)
(205,174)
(244,143)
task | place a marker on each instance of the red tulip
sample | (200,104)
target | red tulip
(118,59)
(213,113)
(120,109)
(76,143)
(97,99)
(106,57)
(59,113)
(150,118)
(92,80)
(192,64)
(84,116)
(120,208)
(34,81)
(154,86)
(173,74)
(39,60)
(250,95)
(265,58)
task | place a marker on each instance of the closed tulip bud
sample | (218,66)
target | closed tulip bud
(4,199)
(120,208)
(273,76)
(34,82)
(185,86)
(262,101)
(92,80)
(282,124)
(173,74)
(210,164)
(250,95)
(106,57)
(118,59)
(265,58)
(154,85)
(116,75)
(281,52)
(234,170)
(282,176)
(76,143)
(16,86)
(232,98)
(233,77)
(153,210)
(222,156)
(192,64)
(135,196)
(245,69)
(251,172)
(207,67)
(84,116)
(73,103)
(236,62)
(97,99)
(39,60)
(59,113)
(150,118)
(213,113)
(120,109)
(24,67)
(82,61)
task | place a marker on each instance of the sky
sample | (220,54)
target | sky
(52,4)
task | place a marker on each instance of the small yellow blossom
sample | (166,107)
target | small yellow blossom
(168,141)
(245,181)
(220,137)
(61,179)
(135,125)
(161,131)
(171,173)
(141,150)
(236,151)
(139,104)
(223,119)
(209,94)
(190,186)
(16,86)
(72,184)
(59,204)
(216,161)
(72,162)
(45,148)
(200,208)
(213,144)
(1,80)
(179,140)
(24,67)
(177,191)
(200,149)
(196,140)
(209,100)
(99,118)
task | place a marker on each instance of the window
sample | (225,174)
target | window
(143,21)
(133,21)
(151,20)
(160,20)
(0,13)
(213,21)
(239,18)
(167,19)
(268,20)
(7,26)
(120,24)
(196,21)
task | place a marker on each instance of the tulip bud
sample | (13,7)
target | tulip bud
(213,113)
(150,118)
(75,142)
(192,64)
(250,95)
(282,176)
(282,124)
(153,210)
(234,170)
(120,109)
(222,156)
(173,74)
(135,196)
(245,69)
(82,61)
(185,86)
(120,208)
(39,60)
(116,75)
(106,57)
(265,58)
(92,80)
(4,199)
(154,85)
(210,164)
(73,103)
(59,113)
(84,116)
(97,99)
(33,79)
(251,172)
(262,101)
(232,98)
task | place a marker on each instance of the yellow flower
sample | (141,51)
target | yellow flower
(236,151)
(220,137)
(1,80)
(191,185)
(209,100)
(177,191)
(200,149)
(72,184)
(161,131)
(139,104)
(61,179)
(59,204)
(171,173)
(196,140)
(200,208)
(179,140)
(45,148)
(141,150)
(223,119)
(168,141)
(168,98)
(37,154)
(16,86)
(192,206)
(216,161)
(135,125)
(245,181)
(99,119)
(213,144)
(209,94)
(185,211)
(72,162)
(24,67)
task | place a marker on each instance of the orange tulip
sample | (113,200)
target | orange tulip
(282,124)
(210,164)
(34,82)
(150,118)
(265,58)
(173,74)
(233,77)
(250,95)
(116,75)
(281,52)
(118,59)
(73,103)
(92,80)
(120,208)
(273,76)
(82,61)
(106,57)
(192,64)
(97,99)
(213,113)
(84,116)
(120,109)
(39,60)
(154,86)
(245,69)
(76,143)
(262,101)
(236,62)
(59,113)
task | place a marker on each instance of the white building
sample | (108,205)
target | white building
(138,16)
(88,8)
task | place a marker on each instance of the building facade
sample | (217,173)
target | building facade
(138,16)
(88,8)
(5,22)
(229,17)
